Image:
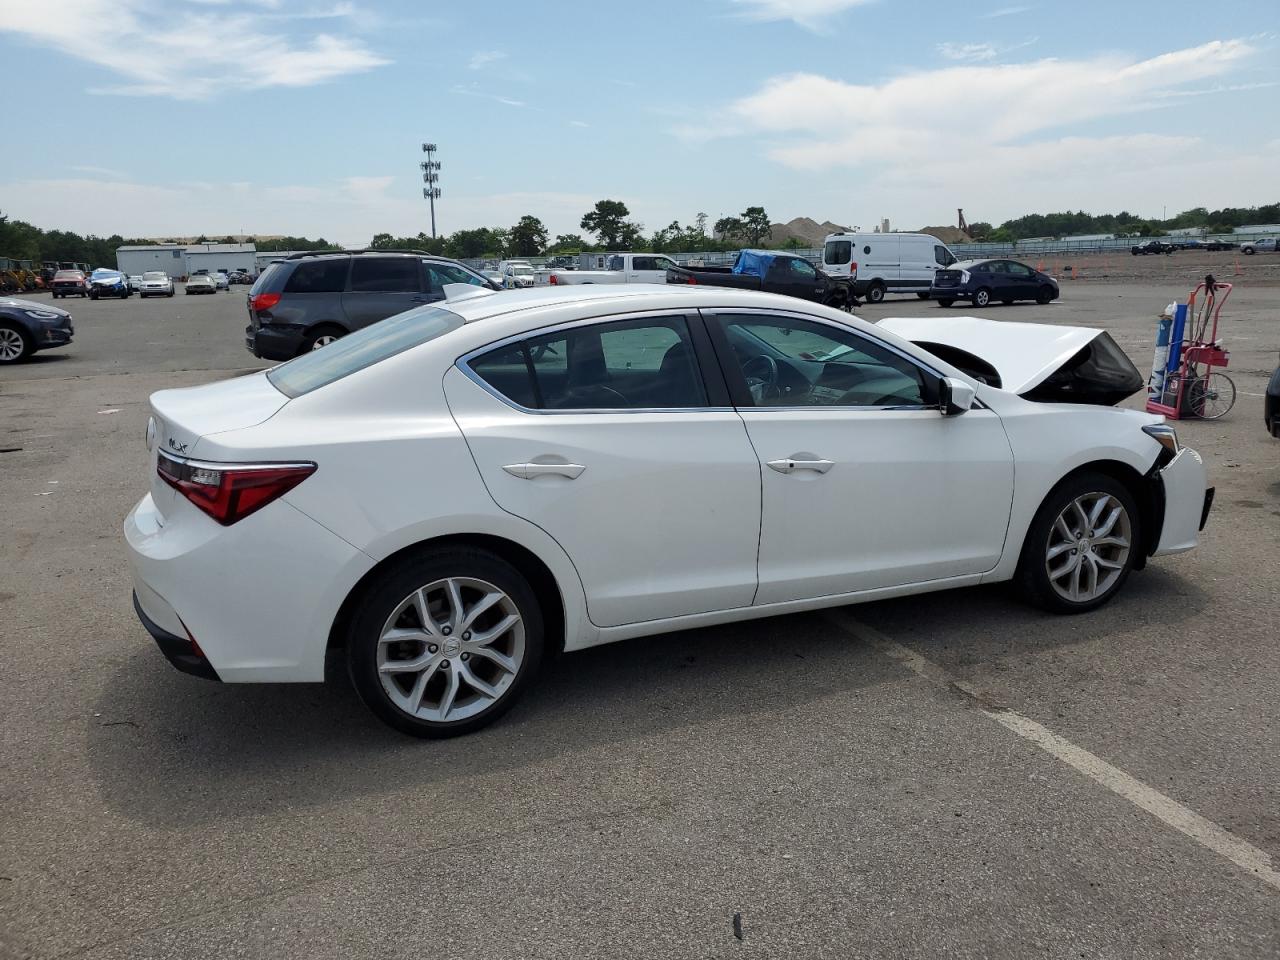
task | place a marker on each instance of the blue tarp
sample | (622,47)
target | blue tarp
(755,263)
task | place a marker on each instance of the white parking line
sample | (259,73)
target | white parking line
(1186,821)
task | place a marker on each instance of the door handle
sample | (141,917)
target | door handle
(530,471)
(789,465)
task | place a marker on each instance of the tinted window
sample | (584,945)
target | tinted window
(626,365)
(318,276)
(362,349)
(507,371)
(837,251)
(644,263)
(803,268)
(943,256)
(788,362)
(438,274)
(996,266)
(385,275)
(1018,270)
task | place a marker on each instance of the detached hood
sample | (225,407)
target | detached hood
(107,277)
(1036,361)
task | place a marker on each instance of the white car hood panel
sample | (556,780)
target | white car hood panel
(1024,354)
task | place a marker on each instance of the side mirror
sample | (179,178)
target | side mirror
(954,396)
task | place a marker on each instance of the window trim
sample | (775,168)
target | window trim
(706,364)
(737,383)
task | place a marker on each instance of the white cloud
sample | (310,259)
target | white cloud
(815,15)
(970,52)
(579,123)
(496,97)
(485,57)
(192,52)
(1006,140)
(1004,12)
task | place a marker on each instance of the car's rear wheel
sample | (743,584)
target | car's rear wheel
(946,302)
(1044,294)
(923,295)
(981,297)
(15,344)
(1081,545)
(875,292)
(321,337)
(446,642)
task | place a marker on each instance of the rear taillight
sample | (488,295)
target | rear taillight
(229,492)
(553,280)
(264,301)
(853,269)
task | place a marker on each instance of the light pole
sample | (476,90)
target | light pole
(431,176)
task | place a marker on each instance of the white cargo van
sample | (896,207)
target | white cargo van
(881,263)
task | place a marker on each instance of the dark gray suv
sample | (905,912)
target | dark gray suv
(311,299)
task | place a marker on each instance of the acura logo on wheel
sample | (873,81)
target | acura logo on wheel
(452,646)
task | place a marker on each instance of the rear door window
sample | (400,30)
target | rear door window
(837,252)
(438,274)
(312,276)
(386,275)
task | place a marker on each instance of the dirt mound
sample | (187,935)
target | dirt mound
(805,229)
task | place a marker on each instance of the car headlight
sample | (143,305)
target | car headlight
(964,276)
(1164,435)
(41,315)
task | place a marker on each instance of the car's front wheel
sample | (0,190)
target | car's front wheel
(446,642)
(15,344)
(1044,294)
(1081,545)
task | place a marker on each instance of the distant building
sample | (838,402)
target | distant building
(1091,236)
(137,260)
(1258,228)
(225,257)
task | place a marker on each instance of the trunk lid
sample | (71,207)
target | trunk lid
(1040,362)
(184,417)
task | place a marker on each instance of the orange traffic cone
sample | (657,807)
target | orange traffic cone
(1238,272)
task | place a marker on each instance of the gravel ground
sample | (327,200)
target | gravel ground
(836,781)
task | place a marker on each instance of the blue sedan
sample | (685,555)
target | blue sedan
(984,281)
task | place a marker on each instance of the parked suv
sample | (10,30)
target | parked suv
(311,299)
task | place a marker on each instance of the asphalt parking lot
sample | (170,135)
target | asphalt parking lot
(948,775)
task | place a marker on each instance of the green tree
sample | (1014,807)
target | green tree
(569,243)
(731,229)
(755,223)
(528,238)
(608,221)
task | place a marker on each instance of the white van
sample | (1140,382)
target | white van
(881,263)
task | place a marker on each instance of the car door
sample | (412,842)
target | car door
(608,436)
(798,277)
(647,269)
(997,279)
(381,287)
(865,483)
(881,259)
(1022,280)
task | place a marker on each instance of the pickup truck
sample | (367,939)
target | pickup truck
(622,268)
(773,272)
(1267,245)
(1152,246)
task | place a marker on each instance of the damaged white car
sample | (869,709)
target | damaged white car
(447,496)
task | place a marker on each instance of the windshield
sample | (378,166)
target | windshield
(155,275)
(522,271)
(361,349)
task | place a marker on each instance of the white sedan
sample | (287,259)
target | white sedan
(155,283)
(200,283)
(449,495)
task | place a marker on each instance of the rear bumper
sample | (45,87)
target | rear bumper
(273,342)
(1187,500)
(179,651)
(257,599)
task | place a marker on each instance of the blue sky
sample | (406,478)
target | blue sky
(152,117)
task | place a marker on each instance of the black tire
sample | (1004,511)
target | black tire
(312,340)
(1032,577)
(982,297)
(93,294)
(170,293)
(23,339)
(945,302)
(922,296)
(876,292)
(390,590)
(56,295)
(1248,252)
(1044,294)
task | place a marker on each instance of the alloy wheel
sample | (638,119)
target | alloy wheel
(323,341)
(11,345)
(451,649)
(1088,547)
